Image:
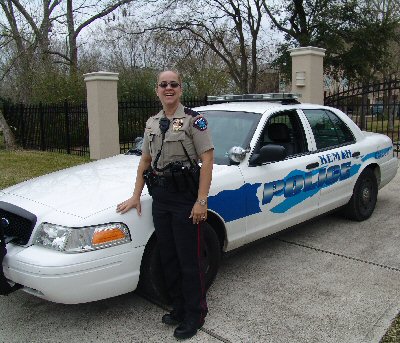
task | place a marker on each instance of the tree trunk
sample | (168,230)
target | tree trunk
(72,46)
(9,138)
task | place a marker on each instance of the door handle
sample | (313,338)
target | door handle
(355,154)
(312,165)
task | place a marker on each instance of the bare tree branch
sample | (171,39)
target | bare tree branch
(229,28)
(101,14)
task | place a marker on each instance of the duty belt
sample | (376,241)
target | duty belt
(171,182)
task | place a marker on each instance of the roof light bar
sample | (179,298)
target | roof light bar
(252,97)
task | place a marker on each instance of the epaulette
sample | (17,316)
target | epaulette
(190,112)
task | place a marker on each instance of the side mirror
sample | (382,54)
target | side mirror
(137,147)
(236,154)
(269,153)
(138,143)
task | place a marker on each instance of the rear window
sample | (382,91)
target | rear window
(328,129)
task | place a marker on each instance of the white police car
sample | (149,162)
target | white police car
(277,163)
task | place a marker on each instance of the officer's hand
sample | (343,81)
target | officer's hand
(199,213)
(132,202)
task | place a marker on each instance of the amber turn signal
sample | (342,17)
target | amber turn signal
(106,236)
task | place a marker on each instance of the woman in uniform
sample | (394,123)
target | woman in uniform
(175,139)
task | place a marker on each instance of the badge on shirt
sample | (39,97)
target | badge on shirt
(177,124)
(200,123)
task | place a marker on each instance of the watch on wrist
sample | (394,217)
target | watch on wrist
(202,202)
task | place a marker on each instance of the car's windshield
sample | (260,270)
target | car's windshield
(230,129)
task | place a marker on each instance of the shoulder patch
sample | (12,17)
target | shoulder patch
(200,123)
(190,112)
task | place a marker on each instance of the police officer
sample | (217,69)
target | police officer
(174,140)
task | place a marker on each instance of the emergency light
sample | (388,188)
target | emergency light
(284,97)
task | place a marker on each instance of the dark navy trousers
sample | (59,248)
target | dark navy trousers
(180,242)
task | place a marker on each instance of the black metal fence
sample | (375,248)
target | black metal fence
(373,107)
(60,127)
(132,116)
(64,127)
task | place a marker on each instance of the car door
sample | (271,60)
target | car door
(338,156)
(286,191)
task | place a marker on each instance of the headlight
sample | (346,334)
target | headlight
(73,240)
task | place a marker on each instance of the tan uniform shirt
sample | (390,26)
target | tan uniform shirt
(191,131)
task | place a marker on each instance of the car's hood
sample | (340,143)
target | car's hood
(82,190)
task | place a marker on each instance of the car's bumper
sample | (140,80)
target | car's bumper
(74,278)
(388,171)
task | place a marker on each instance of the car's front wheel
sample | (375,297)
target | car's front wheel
(365,193)
(152,283)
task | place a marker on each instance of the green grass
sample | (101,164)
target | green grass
(21,165)
(18,166)
(393,334)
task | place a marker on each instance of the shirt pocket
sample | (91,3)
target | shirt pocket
(150,136)
(154,143)
(175,136)
(173,146)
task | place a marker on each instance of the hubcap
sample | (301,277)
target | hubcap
(366,195)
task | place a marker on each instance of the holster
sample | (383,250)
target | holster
(187,179)
(149,179)
(193,177)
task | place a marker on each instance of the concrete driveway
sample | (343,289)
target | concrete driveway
(329,280)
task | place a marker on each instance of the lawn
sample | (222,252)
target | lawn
(393,334)
(18,166)
(381,125)
(21,165)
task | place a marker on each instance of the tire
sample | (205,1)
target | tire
(211,255)
(152,283)
(362,202)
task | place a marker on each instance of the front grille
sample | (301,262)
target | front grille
(18,223)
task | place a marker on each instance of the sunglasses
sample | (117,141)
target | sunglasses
(173,84)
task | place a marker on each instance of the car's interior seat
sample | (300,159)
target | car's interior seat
(279,133)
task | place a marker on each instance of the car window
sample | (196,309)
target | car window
(285,128)
(328,129)
(229,129)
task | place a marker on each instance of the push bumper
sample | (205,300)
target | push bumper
(74,278)
(5,287)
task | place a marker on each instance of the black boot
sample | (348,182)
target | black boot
(172,318)
(188,328)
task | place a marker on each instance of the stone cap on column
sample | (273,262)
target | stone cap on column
(101,76)
(307,50)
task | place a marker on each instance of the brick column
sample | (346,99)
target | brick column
(307,74)
(102,106)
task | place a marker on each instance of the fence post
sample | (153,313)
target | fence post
(67,127)
(102,106)
(42,135)
(22,135)
(307,73)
